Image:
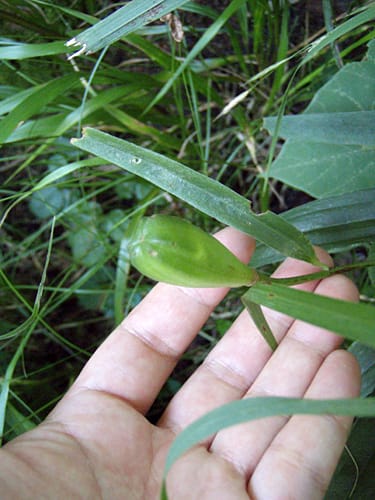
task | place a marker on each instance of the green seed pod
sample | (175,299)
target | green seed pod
(172,250)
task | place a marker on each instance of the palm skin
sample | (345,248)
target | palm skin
(97,443)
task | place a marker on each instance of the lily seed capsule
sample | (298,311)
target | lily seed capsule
(169,249)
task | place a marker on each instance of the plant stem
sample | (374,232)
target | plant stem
(297,280)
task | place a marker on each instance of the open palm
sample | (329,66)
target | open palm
(98,444)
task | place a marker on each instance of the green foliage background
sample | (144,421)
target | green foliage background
(207,103)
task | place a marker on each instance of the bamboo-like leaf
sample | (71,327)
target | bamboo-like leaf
(249,409)
(124,21)
(260,321)
(354,321)
(201,192)
(335,223)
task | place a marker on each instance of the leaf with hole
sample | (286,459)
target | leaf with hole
(201,192)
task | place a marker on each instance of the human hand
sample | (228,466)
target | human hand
(98,444)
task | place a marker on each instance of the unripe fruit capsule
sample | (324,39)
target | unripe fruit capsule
(170,249)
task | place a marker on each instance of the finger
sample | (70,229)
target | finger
(288,373)
(302,458)
(235,362)
(137,358)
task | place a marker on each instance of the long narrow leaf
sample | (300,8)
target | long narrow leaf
(6,105)
(354,321)
(260,321)
(129,18)
(210,33)
(34,102)
(201,192)
(61,172)
(335,223)
(56,125)
(27,50)
(248,409)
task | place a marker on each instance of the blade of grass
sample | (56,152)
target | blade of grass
(122,270)
(328,15)
(62,124)
(34,102)
(209,34)
(366,14)
(281,55)
(124,21)
(9,103)
(27,330)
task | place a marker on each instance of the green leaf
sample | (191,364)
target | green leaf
(354,321)
(16,423)
(354,127)
(329,166)
(260,321)
(352,468)
(16,96)
(201,192)
(336,223)
(371,256)
(50,201)
(249,409)
(97,293)
(87,246)
(61,172)
(371,51)
(34,102)
(366,358)
(56,125)
(124,21)
(19,51)
(115,224)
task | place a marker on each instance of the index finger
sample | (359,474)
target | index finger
(136,359)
